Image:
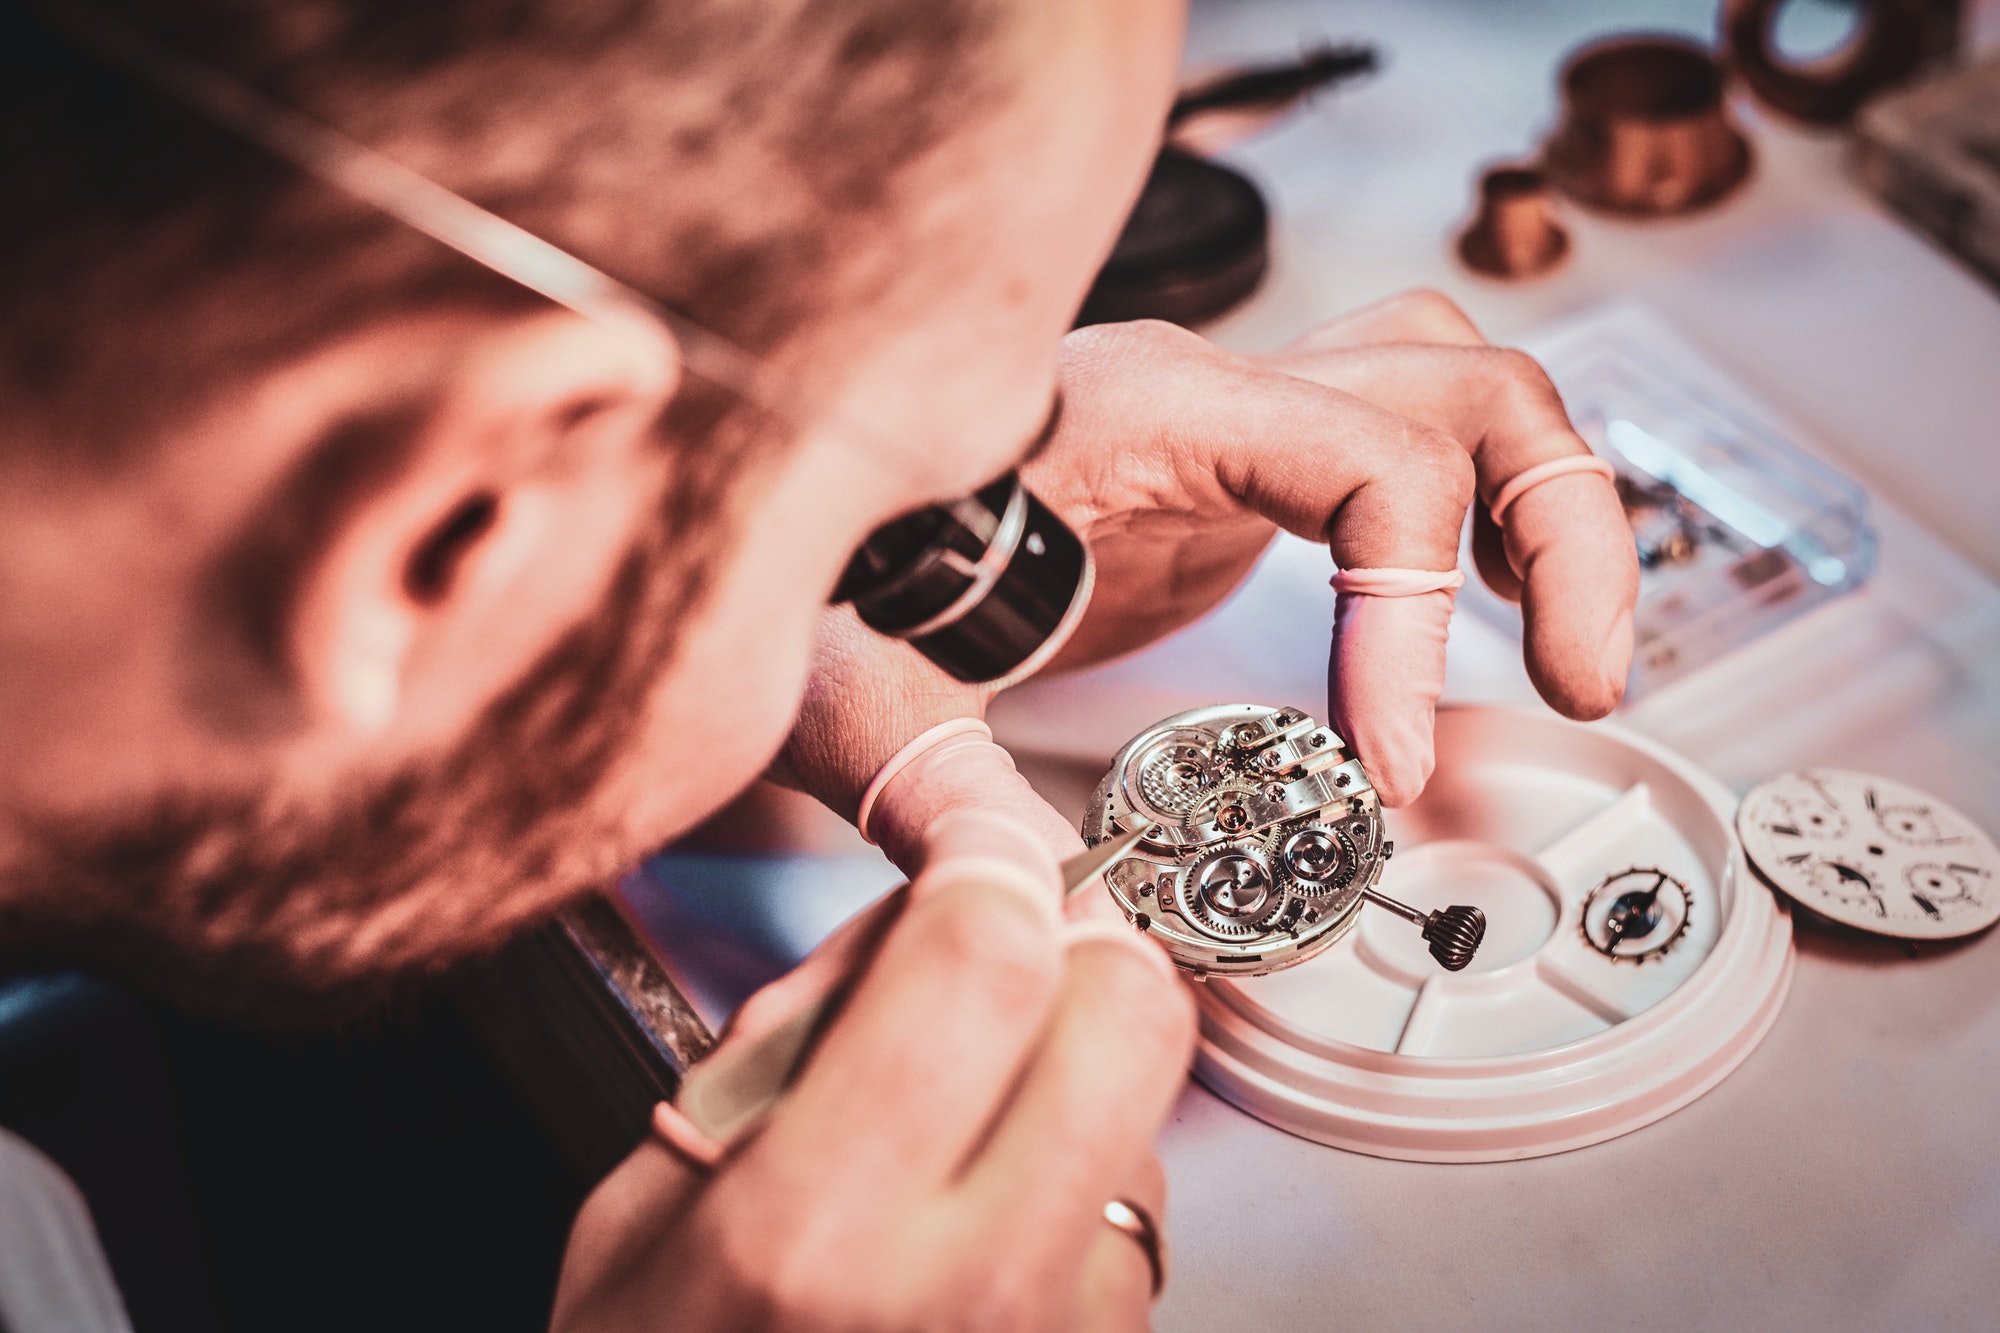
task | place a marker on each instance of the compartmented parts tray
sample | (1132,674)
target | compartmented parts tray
(1630,963)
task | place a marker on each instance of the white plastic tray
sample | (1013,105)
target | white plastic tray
(1544,1043)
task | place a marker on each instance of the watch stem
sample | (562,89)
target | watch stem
(1454,934)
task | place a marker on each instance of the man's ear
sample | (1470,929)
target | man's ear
(441,584)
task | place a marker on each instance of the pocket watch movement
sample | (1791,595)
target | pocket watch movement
(1264,840)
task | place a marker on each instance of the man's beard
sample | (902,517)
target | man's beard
(253,912)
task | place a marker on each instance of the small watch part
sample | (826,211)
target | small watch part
(1637,915)
(1667,529)
(1267,840)
(1872,853)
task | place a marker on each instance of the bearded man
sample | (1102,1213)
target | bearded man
(360,606)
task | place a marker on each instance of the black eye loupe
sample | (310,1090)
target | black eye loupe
(987,587)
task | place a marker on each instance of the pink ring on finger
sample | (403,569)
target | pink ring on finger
(1526,480)
(949,729)
(1387,582)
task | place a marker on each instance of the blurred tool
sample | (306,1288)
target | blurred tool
(1196,244)
(1514,235)
(1215,113)
(1644,131)
(1932,153)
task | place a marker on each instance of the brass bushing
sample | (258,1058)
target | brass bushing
(1514,234)
(1644,130)
(1888,46)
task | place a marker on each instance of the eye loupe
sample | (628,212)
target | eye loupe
(987,587)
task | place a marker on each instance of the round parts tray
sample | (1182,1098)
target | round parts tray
(1545,1043)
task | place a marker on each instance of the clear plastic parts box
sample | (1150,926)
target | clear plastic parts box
(1738,530)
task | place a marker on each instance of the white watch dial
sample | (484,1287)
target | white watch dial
(1872,853)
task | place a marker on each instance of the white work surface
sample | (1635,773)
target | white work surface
(1848,1175)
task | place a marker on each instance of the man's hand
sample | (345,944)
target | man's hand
(1179,462)
(944,1159)
(1566,554)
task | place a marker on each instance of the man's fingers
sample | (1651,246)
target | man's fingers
(1489,556)
(1380,489)
(907,1077)
(1495,402)
(1211,453)
(1215,434)
(1383,681)
(619,1226)
(1080,1127)
(1421,316)
(968,775)
(1567,547)
(1580,575)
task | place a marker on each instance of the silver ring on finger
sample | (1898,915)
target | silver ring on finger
(1134,1221)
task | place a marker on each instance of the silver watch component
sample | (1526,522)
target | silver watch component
(1637,915)
(1267,840)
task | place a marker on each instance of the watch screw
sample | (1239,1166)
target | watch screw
(1342,780)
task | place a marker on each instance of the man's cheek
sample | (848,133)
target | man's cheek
(723,713)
